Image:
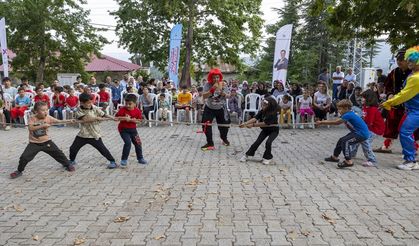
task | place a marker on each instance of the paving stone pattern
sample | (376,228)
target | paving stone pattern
(189,197)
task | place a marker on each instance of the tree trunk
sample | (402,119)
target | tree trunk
(41,69)
(42,59)
(186,74)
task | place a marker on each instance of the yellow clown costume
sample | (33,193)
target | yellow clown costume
(409,95)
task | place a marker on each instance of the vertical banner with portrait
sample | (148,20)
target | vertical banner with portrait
(281,56)
(3,43)
(174,53)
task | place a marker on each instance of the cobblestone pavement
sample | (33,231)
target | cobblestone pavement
(189,197)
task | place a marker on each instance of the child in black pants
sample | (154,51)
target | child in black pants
(90,130)
(358,133)
(40,141)
(266,117)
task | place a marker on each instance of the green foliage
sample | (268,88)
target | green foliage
(312,45)
(49,36)
(371,19)
(221,28)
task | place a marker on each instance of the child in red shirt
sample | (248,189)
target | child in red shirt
(129,116)
(375,122)
(41,96)
(71,102)
(104,97)
(58,102)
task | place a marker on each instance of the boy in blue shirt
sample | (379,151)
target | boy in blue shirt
(22,103)
(358,133)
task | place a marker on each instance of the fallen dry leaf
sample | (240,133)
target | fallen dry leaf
(35,237)
(194,182)
(305,233)
(121,219)
(245,181)
(364,210)
(328,219)
(159,237)
(292,235)
(389,230)
(18,208)
(79,241)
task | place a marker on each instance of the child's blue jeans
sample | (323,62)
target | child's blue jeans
(59,111)
(130,135)
(366,148)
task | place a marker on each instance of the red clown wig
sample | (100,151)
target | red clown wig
(212,73)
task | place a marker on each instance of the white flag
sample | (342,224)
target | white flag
(3,43)
(282,52)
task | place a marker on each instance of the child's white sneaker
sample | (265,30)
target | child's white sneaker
(266,162)
(369,164)
(301,126)
(408,166)
(243,159)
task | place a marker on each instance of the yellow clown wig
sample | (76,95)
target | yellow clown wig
(412,55)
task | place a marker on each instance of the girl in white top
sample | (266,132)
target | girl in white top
(322,102)
(305,107)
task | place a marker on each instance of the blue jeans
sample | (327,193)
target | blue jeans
(130,135)
(59,110)
(335,91)
(406,135)
(366,148)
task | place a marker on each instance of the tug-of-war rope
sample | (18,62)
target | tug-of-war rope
(69,123)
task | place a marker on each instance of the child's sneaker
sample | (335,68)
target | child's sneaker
(369,164)
(73,163)
(207,147)
(112,165)
(15,174)
(70,168)
(226,142)
(266,162)
(243,159)
(301,126)
(408,166)
(124,163)
(142,161)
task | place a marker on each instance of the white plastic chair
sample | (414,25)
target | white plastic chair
(298,116)
(155,107)
(252,103)
(279,99)
(169,112)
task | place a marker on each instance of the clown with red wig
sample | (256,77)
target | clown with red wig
(215,93)
(409,95)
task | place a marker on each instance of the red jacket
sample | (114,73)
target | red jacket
(375,122)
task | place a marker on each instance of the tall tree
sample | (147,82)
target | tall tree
(49,36)
(212,29)
(371,19)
